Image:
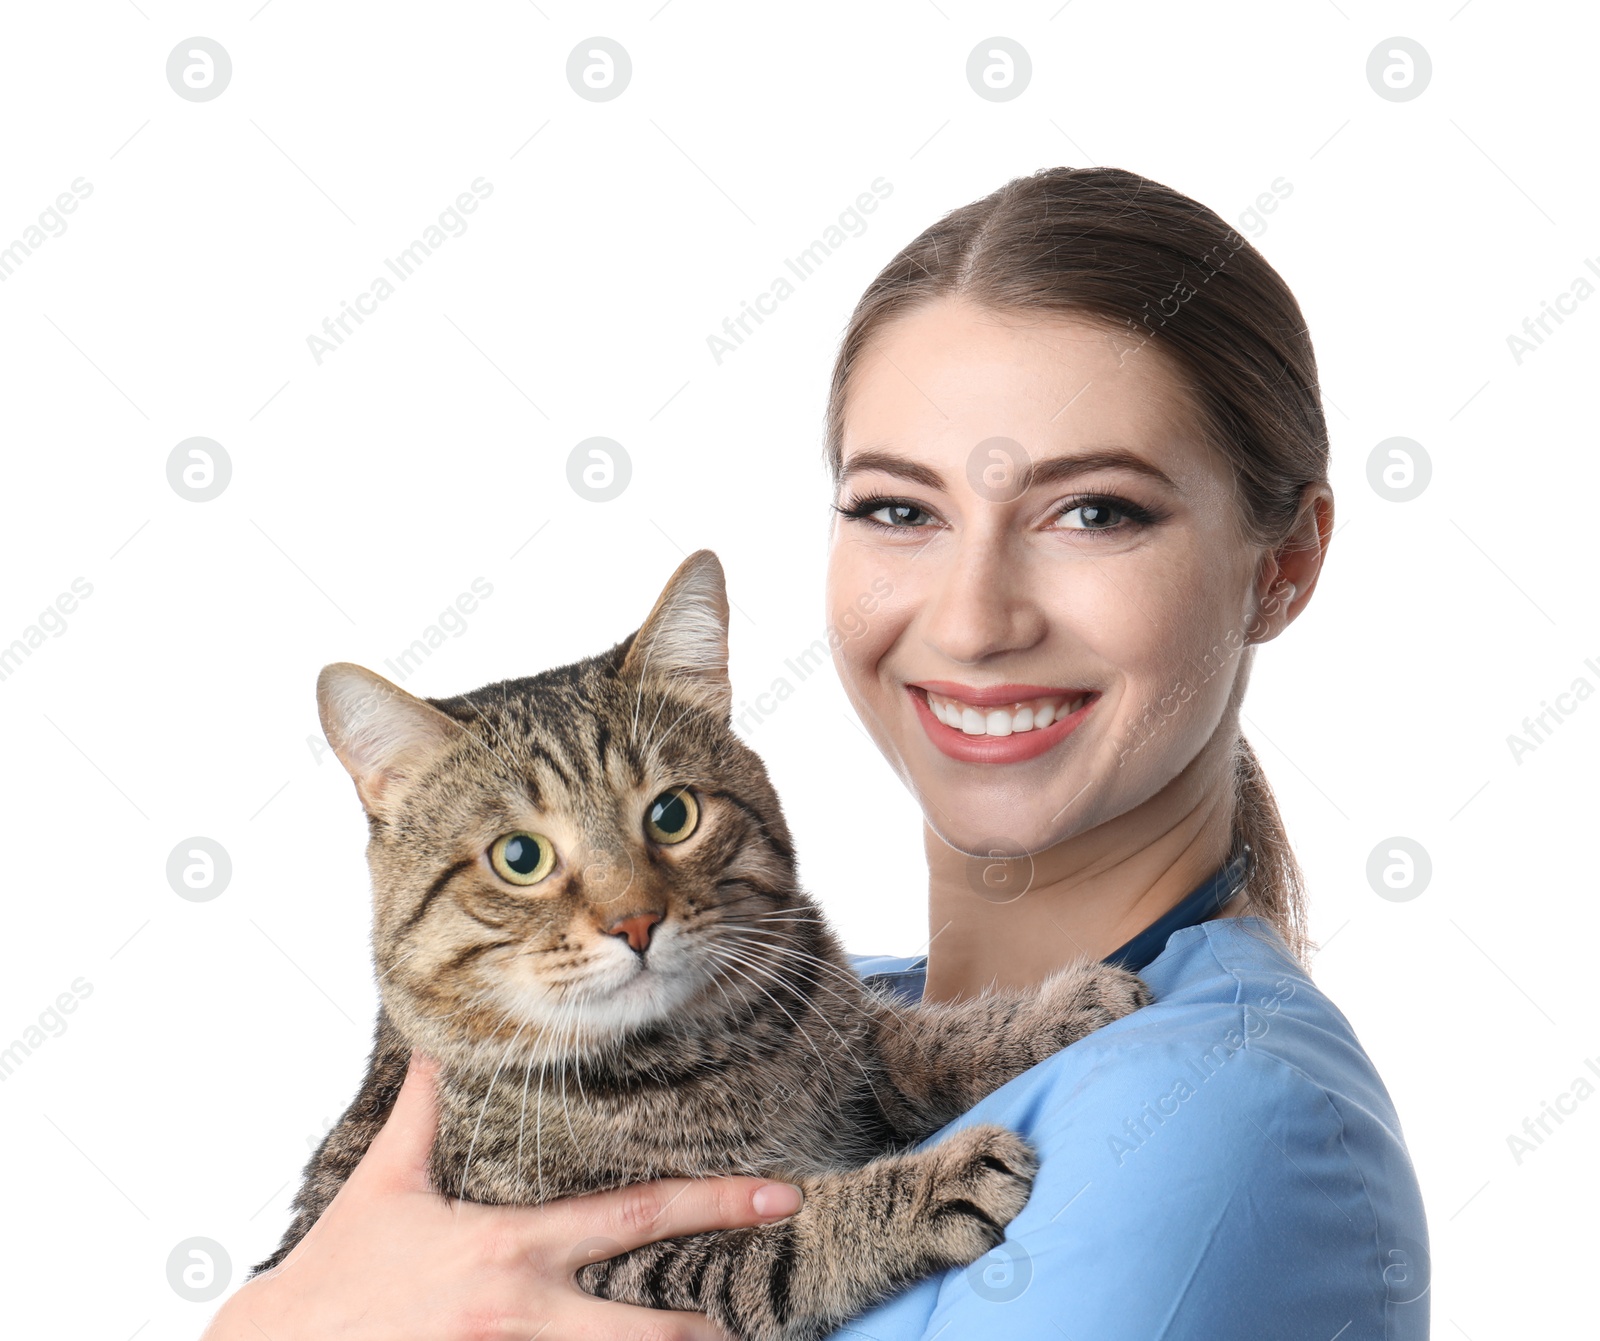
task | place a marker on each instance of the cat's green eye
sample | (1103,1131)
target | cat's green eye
(672,815)
(522,858)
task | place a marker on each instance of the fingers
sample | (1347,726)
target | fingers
(399,1153)
(607,1223)
(603,1320)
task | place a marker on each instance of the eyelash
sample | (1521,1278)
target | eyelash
(860,509)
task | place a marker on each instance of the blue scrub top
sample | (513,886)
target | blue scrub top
(1224,1163)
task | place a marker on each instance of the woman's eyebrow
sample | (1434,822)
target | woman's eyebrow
(1049,470)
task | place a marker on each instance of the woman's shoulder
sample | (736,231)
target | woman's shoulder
(1225,1158)
(1239,1046)
(1226,990)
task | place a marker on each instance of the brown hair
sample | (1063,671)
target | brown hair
(1112,246)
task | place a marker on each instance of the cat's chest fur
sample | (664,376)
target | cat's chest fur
(531,1134)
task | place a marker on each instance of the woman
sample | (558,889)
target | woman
(1081,471)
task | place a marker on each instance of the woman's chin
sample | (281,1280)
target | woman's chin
(997,835)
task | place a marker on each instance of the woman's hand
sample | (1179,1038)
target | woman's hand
(391,1258)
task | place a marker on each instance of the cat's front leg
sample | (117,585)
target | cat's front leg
(944,1058)
(861,1236)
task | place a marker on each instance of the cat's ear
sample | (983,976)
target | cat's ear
(684,642)
(384,736)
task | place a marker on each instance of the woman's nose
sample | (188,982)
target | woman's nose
(981,603)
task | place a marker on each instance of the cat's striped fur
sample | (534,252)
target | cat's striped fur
(736,1039)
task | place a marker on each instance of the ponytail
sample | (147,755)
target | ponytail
(1274,888)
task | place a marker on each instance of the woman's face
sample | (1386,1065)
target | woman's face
(1041,593)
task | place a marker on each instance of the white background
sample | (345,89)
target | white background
(220,1037)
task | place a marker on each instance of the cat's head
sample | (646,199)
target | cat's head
(563,859)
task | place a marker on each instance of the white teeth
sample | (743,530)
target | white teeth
(1030,716)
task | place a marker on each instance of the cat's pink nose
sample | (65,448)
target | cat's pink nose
(636,929)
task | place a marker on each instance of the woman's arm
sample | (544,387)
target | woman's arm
(392,1260)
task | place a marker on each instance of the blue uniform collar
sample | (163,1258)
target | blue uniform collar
(1197,906)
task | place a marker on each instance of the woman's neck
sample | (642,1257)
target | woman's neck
(1084,897)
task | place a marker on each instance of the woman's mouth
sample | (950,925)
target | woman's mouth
(1001,724)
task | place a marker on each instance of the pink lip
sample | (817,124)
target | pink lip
(996,749)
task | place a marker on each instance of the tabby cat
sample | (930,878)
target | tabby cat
(586,908)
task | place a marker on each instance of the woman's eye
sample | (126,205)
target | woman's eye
(672,816)
(1096,515)
(890,513)
(522,858)
(897,514)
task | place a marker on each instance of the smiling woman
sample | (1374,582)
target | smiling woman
(1075,431)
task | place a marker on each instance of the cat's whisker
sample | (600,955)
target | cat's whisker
(397,963)
(649,649)
(466,1165)
(774,975)
(848,1050)
(577,1075)
(843,975)
(721,953)
(488,1092)
(522,1117)
(565,1067)
(650,730)
(661,744)
(850,980)
(538,1125)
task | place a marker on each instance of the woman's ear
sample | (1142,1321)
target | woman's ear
(1288,574)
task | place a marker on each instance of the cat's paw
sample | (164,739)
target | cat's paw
(1086,997)
(623,1278)
(595,1278)
(981,1179)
